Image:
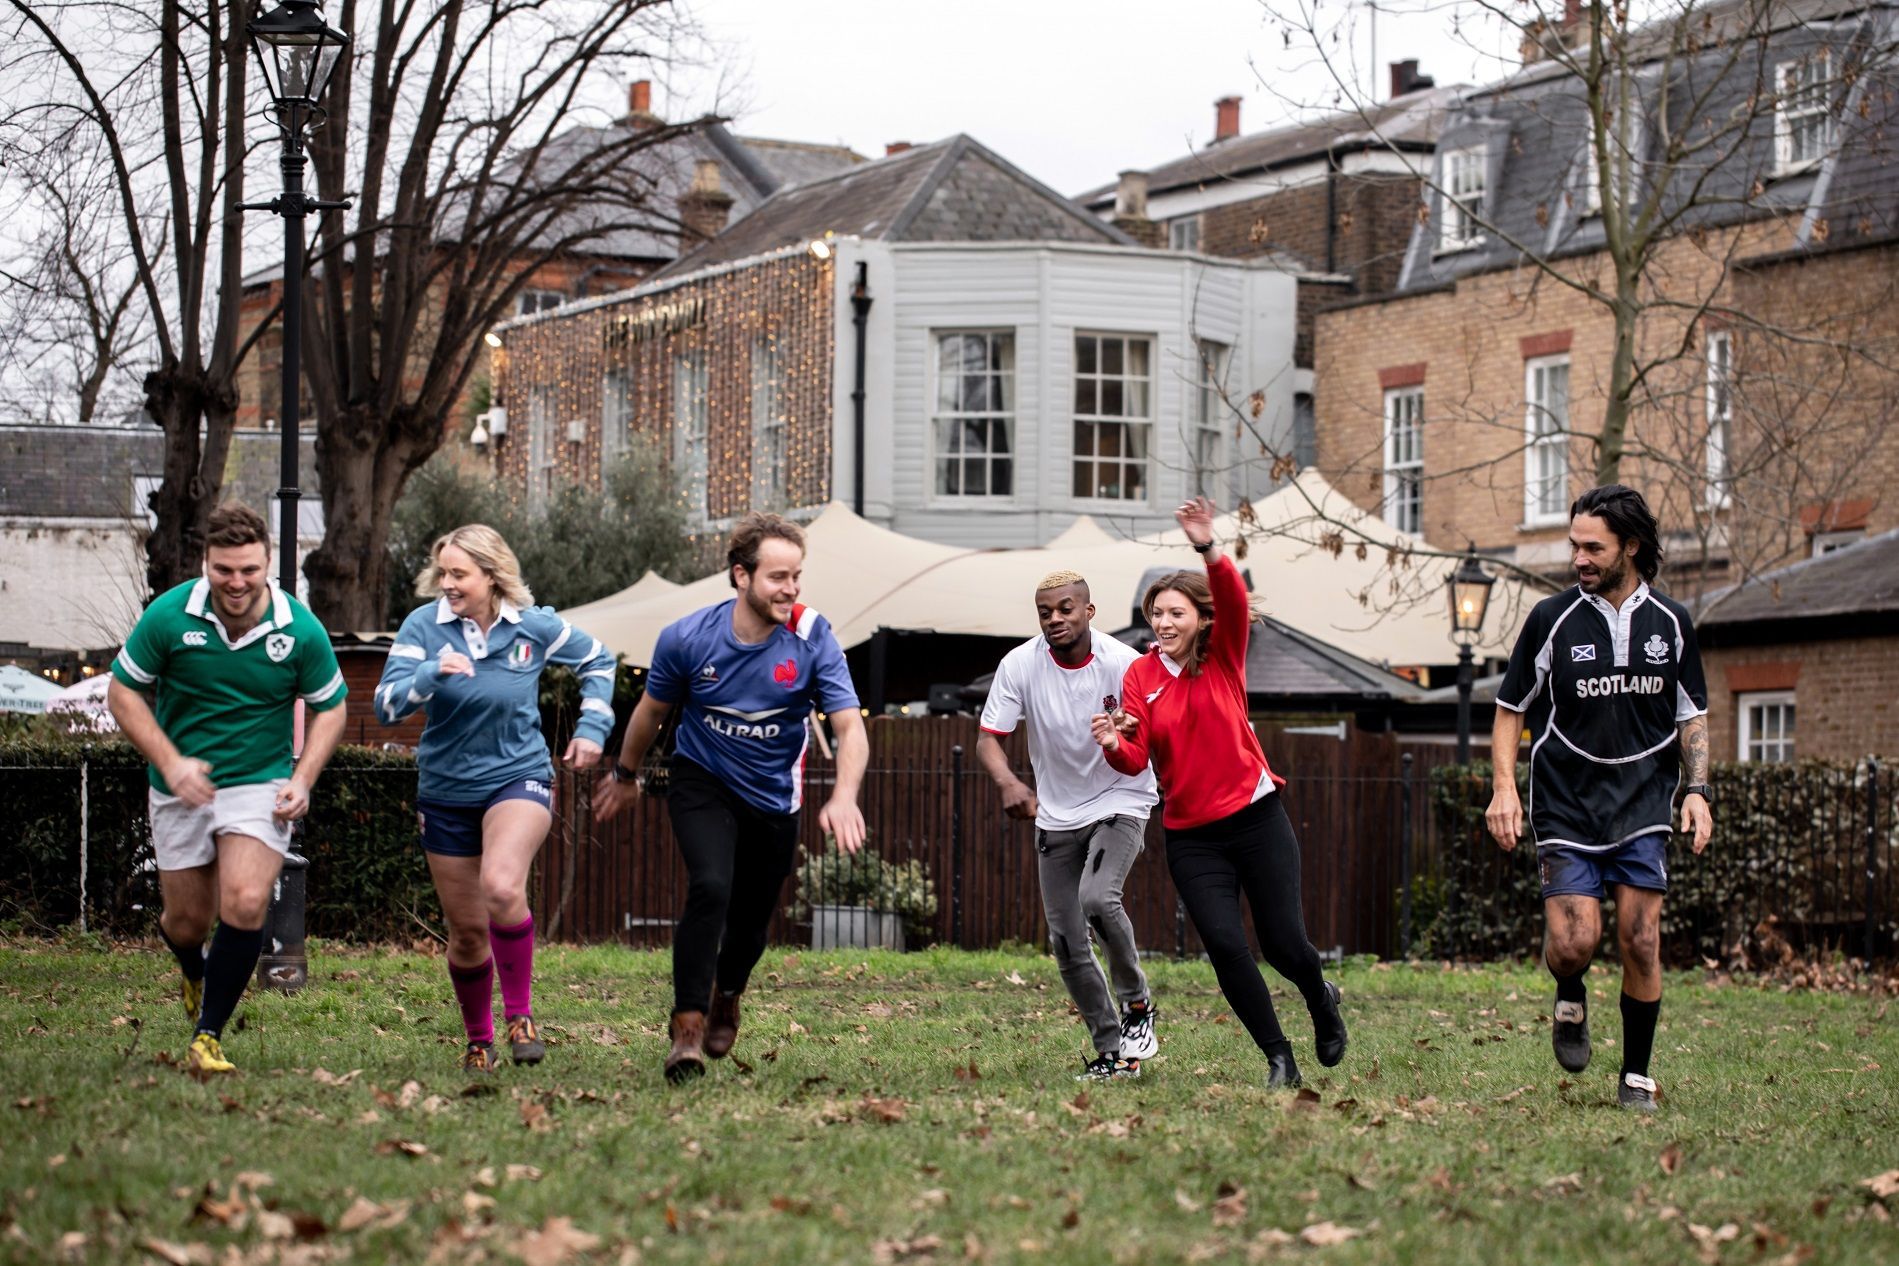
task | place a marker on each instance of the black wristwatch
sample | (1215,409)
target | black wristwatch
(1701,789)
(1202,549)
(622,774)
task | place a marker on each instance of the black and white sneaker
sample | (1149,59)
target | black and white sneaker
(1137,1030)
(1109,1068)
(1569,1035)
(1636,1093)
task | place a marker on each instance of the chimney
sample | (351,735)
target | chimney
(1406,79)
(895,148)
(639,105)
(704,208)
(1130,210)
(1226,119)
(1541,37)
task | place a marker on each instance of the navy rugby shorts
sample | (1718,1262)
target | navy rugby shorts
(1640,863)
(454,830)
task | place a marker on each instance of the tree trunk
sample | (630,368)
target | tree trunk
(363,460)
(1614,436)
(197,423)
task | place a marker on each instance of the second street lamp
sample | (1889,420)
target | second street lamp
(1470,600)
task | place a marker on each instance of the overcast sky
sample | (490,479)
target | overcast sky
(1071,91)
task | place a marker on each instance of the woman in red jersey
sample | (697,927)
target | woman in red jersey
(1227,830)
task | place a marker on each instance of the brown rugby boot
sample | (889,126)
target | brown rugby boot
(687,1059)
(722,1024)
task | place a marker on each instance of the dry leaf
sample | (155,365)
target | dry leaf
(1883,1185)
(1230,1208)
(325,1077)
(1324,1234)
(1186,1201)
(556,1241)
(474,1203)
(1307,1100)
(523,1173)
(888,1111)
(72,1246)
(1015,978)
(534,1116)
(177,1254)
(367,1213)
(231,1211)
(275,1226)
(407,1147)
(1671,1159)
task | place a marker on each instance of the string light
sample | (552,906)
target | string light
(784,303)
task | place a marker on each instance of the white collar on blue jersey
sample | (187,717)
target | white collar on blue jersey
(1630,603)
(446,615)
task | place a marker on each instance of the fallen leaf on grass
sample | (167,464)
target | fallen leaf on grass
(785,1204)
(1015,978)
(969,1073)
(1186,1201)
(1229,1209)
(1564,1184)
(523,1173)
(1670,1159)
(556,1241)
(1325,1234)
(535,1117)
(888,1111)
(324,1077)
(1307,1100)
(407,1147)
(1707,1241)
(177,1254)
(1518,1093)
(1440,1178)
(1883,1185)
(377,1217)
(231,1211)
(474,1203)
(884,1251)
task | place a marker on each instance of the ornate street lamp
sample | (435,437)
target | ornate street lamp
(297,53)
(1470,600)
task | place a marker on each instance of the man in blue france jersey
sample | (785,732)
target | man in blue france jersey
(745,674)
(1606,679)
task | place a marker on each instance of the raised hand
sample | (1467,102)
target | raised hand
(1196,520)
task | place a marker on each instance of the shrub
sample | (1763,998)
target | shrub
(836,878)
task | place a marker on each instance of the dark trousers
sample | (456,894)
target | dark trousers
(737,857)
(1252,852)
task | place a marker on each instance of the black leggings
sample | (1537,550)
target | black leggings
(737,857)
(1252,851)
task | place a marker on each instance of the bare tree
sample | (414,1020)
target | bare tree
(467,174)
(161,98)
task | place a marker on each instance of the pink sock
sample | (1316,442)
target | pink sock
(514,963)
(475,994)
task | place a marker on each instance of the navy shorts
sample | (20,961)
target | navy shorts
(454,830)
(1640,863)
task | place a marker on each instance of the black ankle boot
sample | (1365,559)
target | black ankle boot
(1328,1028)
(1282,1071)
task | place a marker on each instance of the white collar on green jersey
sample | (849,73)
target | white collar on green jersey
(199,604)
(445,615)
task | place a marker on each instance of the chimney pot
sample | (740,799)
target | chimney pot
(1130,196)
(639,104)
(1226,119)
(894,148)
(705,176)
(1402,75)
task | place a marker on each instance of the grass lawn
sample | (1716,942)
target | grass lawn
(922,1107)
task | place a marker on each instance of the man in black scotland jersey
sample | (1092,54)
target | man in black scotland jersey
(1607,680)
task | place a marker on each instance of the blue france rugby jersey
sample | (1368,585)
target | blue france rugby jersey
(743,708)
(484,732)
(1603,693)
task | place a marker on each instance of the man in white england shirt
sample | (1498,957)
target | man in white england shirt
(1089,818)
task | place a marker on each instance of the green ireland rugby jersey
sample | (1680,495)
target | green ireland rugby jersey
(226,702)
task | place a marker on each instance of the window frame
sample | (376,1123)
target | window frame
(1410,471)
(529,302)
(543,448)
(692,414)
(1183,233)
(1630,156)
(616,417)
(935,416)
(1786,743)
(1451,203)
(1143,423)
(1206,430)
(1808,79)
(1718,442)
(1536,442)
(771,434)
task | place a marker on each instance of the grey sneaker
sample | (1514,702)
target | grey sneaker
(1636,1093)
(1569,1035)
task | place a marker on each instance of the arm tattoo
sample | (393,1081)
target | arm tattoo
(1694,749)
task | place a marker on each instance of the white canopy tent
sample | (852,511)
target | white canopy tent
(22,691)
(1387,606)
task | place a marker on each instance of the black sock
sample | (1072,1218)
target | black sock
(1638,1033)
(227,971)
(1570,988)
(190,957)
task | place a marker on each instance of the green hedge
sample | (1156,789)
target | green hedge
(368,879)
(1790,843)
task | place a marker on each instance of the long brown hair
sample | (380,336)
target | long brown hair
(1191,585)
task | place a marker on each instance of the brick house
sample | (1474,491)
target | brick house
(1463,406)
(936,338)
(1338,195)
(1803,662)
(700,181)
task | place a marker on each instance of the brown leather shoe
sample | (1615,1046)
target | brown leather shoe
(687,1059)
(721,1024)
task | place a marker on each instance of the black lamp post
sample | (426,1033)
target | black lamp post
(1470,600)
(297,53)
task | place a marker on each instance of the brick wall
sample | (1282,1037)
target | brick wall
(1846,694)
(1812,425)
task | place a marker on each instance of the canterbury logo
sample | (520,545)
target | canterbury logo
(194,638)
(785,674)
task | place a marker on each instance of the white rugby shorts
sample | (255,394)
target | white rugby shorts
(184,837)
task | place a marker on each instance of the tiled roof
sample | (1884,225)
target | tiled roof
(86,472)
(950,191)
(1408,122)
(799,162)
(1861,579)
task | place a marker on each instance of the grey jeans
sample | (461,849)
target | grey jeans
(1082,872)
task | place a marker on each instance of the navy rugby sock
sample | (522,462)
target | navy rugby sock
(190,957)
(227,971)
(1570,988)
(1638,1033)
